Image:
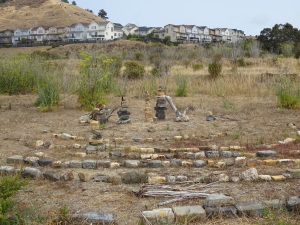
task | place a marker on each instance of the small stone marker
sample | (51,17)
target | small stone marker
(249,208)
(163,215)
(189,213)
(266,153)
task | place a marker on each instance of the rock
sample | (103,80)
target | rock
(229,161)
(39,154)
(7,170)
(249,175)
(289,140)
(47,144)
(189,213)
(75,164)
(94,218)
(15,159)
(132,177)
(293,204)
(223,177)
(115,155)
(69,175)
(39,143)
(103,164)
(218,200)
(80,154)
(147,150)
(169,156)
(151,129)
(31,172)
(278,178)
(190,155)
(240,161)
(265,177)
(212,154)
(115,180)
(226,154)
(295,173)
(101,178)
(186,163)
(236,154)
(155,164)
(131,163)
(181,178)
(152,180)
(199,163)
(84,118)
(45,162)
(66,136)
(114,165)
(85,176)
(266,153)
(249,208)
(170,179)
(199,155)
(178,138)
(137,139)
(270,162)
(52,175)
(204,148)
(165,163)
(176,162)
(210,118)
(163,215)
(77,146)
(91,149)
(235,179)
(225,211)
(89,164)
(274,204)
(33,161)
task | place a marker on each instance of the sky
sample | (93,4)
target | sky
(249,16)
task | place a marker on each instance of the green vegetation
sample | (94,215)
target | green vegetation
(182,85)
(134,70)
(197,67)
(288,94)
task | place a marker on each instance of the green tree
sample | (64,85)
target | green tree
(74,3)
(66,1)
(89,10)
(103,14)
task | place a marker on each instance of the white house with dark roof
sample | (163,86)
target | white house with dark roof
(144,31)
(204,34)
(77,32)
(21,34)
(54,34)
(130,28)
(38,33)
(118,30)
(100,31)
(6,36)
(176,32)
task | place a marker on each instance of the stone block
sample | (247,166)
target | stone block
(132,177)
(114,165)
(265,177)
(15,159)
(7,170)
(52,175)
(293,204)
(212,154)
(166,163)
(101,178)
(75,164)
(249,175)
(251,163)
(223,148)
(181,178)
(39,143)
(210,163)
(225,211)
(199,163)
(85,176)
(147,150)
(286,161)
(223,177)
(170,179)
(189,213)
(266,153)
(80,154)
(33,161)
(274,204)
(218,200)
(95,141)
(178,138)
(176,162)
(89,164)
(153,180)
(191,150)
(295,173)
(226,154)
(103,164)
(132,163)
(163,215)
(249,208)
(240,161)
(91,149)
(66,136)
(278,178)
(270,162)
(155,164)
(186,164)
(229,161)
(94,218)
(31,172)
(199,155)
(219,164)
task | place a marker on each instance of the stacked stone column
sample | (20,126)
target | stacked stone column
(148,109)
(160,107)
(123,113)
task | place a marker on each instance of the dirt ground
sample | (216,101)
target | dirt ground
(256,121)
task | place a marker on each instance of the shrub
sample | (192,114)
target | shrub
(215,69)
(138,56)
(288,94)
(95,79)
(197,67)
(134,70)
(182,85)
(241,62)
(116,65)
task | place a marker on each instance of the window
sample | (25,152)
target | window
(115,34)
(112,29)
(93,27)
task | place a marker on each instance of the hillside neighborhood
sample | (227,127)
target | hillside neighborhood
(105,31)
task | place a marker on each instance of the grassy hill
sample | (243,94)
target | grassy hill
(31,13)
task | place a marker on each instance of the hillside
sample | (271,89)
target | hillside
(31,13)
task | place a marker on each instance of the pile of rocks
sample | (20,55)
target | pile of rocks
(148,109)
(100,114)
(123,113)
(160,107)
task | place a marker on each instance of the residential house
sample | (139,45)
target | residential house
(233,35)
(118,30)
(130,28)
(21,34)
(144,31)
(100,31)
(77,32)
(38,34)
(176,32)
(215,34)
(240,35)
(204,34)
(55,34)
(159,32)
(6,36)
(225,34)
(192,33)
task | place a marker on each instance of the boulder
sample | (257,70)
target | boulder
(249,175)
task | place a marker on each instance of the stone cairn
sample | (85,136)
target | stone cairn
(100,114)
(123,113)
(148,109)
(160,107)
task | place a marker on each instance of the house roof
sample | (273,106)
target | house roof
(144,29)
(44,27)
(118,25)
(75,24)
(104,23)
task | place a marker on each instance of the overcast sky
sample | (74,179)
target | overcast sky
(249,16)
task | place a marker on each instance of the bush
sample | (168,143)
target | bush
(197,67)
(138,56)
(116,65)
(182,85)
(134,70)
(215,69)
(288,94)
(241,62)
